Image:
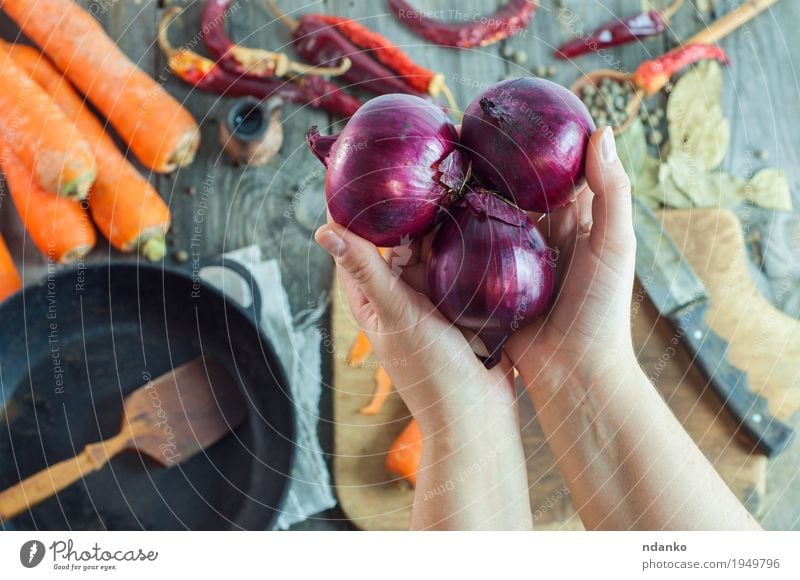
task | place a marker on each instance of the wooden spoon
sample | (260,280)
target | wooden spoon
(170,419)
(745,12)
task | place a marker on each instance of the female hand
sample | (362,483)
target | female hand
(472,472)
(627,461)
(430,361)
(588,328)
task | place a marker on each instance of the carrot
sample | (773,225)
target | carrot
(383,387)
(58,226)
(39,134)
(126,208)
(405,453)
(10,281)
(159,131)
(360,350)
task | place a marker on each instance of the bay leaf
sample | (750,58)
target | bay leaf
(667,189)
(769,188)
(646,186)
(697,124)
(704,189)
(718,190)
(696,93)
(709,142)
(673,195)
(632,148)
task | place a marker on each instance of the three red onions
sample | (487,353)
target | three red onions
(399,168)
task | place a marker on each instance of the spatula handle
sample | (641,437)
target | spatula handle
(40,486)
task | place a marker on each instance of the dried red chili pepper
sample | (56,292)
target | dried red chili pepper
(324,40)
(253,62)
(508,21)
(653,75)
(619,32)
(417,76)
(206,75)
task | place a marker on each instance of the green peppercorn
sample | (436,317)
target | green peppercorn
(181,256)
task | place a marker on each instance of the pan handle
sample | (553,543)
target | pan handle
(252,310)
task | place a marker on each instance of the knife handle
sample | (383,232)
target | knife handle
(749,409)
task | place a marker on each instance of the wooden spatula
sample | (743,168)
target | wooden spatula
(169,419)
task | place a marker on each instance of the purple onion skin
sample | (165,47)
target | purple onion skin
(383,179)
(490,270)
(527,138)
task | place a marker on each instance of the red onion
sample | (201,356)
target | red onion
(490,271)
(389,168)
(527,137)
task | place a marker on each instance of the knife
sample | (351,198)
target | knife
(680,296)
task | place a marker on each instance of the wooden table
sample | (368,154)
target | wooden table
(279,206)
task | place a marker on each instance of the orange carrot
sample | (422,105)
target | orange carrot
(126,208)
(10,281)
(405,453)
(383,387)
(39,134)
(360,350)
(58,226)
(159,131)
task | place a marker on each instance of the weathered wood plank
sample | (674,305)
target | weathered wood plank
(233,207)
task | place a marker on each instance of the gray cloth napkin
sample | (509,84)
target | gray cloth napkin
(296,340)
(773,244)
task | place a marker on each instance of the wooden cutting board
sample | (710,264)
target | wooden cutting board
(763,340)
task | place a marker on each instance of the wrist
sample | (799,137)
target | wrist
(580,373)
(468,419)
(478,435)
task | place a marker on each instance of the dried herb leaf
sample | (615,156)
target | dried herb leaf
(699,136)
(645,185)
(632,148)
(696,92)
(673,195)
(656,188)
(769,188)
(697,125)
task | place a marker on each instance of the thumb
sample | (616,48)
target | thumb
(365,270)
(612,218)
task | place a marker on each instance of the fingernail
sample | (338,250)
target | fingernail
(608,147)
(331,242)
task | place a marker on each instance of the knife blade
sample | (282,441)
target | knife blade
(680,296)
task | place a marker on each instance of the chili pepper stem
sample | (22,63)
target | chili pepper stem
(163,34)
(438,86)
(255,59)
(258,60)
(290,22)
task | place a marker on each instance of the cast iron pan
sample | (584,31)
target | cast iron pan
(71,349)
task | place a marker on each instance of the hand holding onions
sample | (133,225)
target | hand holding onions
(617,444)
(399,168)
